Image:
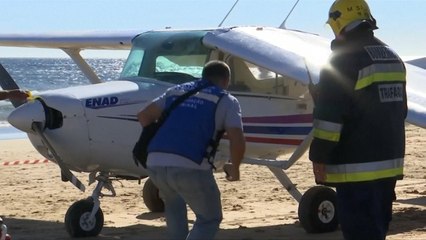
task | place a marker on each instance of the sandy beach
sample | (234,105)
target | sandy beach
(34,200)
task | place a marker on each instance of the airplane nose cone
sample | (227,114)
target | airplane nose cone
(23,116)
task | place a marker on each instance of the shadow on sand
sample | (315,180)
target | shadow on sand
(405,220)
(24,229)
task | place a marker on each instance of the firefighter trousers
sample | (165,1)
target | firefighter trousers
(365,209)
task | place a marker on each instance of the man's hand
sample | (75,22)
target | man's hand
(232,172)
(149,114)
(237,147)
(319,172)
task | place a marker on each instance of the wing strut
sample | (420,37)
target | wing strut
(66,173)
(82,64)
(226,16)
(277,167)
(291,11)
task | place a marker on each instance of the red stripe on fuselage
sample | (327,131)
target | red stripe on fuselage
(274,140)
(281,141)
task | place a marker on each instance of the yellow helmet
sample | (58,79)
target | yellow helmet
(344,12)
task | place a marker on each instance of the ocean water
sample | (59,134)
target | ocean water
(40,74)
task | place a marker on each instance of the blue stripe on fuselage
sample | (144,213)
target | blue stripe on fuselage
(277,130)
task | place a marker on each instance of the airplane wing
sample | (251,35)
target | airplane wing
(416,95)
(300,56)
(75,40)
(73,43)
(294,54)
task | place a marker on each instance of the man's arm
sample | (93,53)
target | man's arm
(13,94)
(4,95)
(332,103)
(149,114)
(237,147)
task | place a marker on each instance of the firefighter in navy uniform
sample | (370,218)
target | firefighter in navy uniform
(359,115)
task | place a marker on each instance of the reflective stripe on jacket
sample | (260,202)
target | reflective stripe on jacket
(359,172)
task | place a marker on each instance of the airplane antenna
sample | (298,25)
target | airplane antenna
(232,8)
(288,15)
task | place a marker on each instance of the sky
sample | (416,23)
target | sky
(401,22)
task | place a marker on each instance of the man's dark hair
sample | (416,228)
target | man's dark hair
(216,70)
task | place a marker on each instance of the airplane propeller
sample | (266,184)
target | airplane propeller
(33,119)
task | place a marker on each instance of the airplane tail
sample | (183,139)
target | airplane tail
(7,83)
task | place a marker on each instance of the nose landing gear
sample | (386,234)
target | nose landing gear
(85,217)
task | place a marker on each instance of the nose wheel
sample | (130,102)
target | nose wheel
(85,217)
(80,223)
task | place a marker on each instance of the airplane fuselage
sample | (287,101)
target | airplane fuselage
(102,128)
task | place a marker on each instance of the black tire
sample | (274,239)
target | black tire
(151,197)
(76,222)
(317,210)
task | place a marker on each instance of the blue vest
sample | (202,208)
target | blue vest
(190,127)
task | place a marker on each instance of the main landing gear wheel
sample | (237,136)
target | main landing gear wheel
(78,222)
(151,197)
(317,210)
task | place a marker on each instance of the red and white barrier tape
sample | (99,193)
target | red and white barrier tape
(24,162)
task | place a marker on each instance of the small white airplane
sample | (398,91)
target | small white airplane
(93,128)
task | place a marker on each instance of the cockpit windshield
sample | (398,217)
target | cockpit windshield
(169,56)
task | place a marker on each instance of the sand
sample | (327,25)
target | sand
(34,200)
